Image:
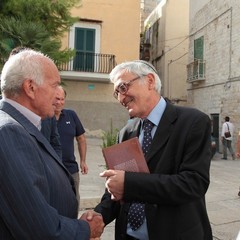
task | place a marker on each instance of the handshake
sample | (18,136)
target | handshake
(95,222)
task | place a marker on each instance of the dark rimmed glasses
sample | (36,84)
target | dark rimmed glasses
(123,87)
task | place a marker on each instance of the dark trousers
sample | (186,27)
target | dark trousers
(227,144)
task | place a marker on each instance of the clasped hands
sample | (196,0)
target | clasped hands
(95,222)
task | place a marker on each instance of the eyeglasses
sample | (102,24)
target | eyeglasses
(123,87)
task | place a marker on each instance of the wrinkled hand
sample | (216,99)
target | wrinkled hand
(95,222)
(114,183)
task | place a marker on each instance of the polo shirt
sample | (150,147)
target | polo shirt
(69,126)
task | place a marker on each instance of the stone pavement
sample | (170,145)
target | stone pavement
(223,202)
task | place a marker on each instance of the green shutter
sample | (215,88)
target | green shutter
(85,49)
(198,55)
(198,48)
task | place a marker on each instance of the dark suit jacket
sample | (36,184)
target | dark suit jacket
(179,161)
(50,131)
(37,199)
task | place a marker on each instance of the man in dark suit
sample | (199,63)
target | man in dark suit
(173,194)
(37,199)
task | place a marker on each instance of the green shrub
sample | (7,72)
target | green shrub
(109,138)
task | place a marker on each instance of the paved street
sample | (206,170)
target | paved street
(222,199)
(223,202)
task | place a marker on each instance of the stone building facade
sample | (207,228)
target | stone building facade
(214,81)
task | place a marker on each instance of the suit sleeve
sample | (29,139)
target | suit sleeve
(108,208)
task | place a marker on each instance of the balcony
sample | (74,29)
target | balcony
(88,66)
(85,66)
(196,71)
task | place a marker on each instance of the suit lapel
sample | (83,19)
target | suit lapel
(130,131)
(30,128)
(164,130)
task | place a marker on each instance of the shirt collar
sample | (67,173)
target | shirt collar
(157,112)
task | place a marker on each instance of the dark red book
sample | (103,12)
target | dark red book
(127,156)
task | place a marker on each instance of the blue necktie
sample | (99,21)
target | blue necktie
(136,212)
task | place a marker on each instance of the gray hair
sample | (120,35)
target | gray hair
(138,67)
(27,64)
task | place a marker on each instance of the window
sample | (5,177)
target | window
(198,56)
(85,39)
(85,49)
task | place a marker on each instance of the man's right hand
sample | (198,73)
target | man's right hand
(95,222)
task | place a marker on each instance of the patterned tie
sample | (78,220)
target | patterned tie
(136,213)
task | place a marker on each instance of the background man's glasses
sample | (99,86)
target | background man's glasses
(123,87)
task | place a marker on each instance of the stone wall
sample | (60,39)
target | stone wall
(219,23)
(97,116)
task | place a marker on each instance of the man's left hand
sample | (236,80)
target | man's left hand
(114,183)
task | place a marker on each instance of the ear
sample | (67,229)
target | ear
(151,81)
(29,87)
